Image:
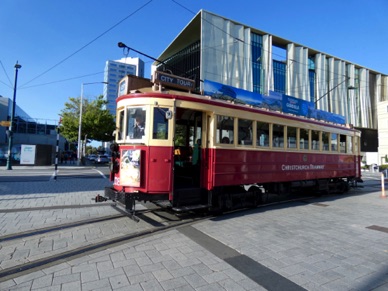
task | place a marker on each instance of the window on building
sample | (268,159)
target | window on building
(257,70)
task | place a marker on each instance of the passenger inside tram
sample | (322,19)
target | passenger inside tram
(225,139)
(138,131)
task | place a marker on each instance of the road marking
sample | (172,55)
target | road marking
(101,173)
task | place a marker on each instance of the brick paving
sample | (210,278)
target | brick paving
(319,244)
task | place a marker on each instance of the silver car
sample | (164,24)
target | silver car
(102,159)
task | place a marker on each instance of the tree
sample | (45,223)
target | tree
(97,123)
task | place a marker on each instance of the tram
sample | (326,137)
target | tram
(191,151)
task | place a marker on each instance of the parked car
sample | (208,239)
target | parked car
(92,158)
(102,159)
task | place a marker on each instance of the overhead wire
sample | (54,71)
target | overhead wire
(89,43)
(64,80)
(5,72)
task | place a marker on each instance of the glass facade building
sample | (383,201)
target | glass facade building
(214,48)
(218,49)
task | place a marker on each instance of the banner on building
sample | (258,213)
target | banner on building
(273,101)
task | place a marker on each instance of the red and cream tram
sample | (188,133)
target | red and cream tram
(193,151)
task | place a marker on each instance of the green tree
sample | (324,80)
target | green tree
(97,123)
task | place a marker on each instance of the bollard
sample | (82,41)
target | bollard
(382,186)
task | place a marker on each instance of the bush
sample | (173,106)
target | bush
(383,167)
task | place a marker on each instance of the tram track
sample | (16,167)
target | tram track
(153,220)
(25,268)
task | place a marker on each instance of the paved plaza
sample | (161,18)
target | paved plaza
(327,243)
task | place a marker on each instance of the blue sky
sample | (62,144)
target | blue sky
(62,44)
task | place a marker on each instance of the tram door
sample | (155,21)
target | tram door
(187,156)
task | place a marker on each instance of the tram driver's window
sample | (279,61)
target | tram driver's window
(262,133)
(278,136)
(225,129)
(160,127)
(136,123)
(245,132)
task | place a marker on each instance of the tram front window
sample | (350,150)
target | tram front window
(136,123)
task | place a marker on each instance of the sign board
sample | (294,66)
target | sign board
(5,123)
(130,168)
(173,81)
(27,154)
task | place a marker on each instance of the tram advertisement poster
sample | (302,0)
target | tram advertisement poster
(130,168)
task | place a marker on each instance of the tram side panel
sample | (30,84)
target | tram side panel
(144,171)
(236,167)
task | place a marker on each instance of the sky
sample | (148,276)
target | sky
(64,44)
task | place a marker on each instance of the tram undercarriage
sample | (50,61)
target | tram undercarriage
(228,198)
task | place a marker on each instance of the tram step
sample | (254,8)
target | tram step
(189,208)
(188,197)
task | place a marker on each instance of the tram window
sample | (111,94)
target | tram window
(136,123)
(291,137)
(325,141)
(356,141)
(334,142)
(225,129)
(120,130)
(278,136)
(342,143)
(349,144)
(304,139)
(160,128)
(315,140)
(245,132)
(262,131)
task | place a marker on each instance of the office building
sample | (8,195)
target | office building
(114,72)
(221,50)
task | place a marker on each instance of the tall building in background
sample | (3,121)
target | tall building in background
(221,50)
(114,72)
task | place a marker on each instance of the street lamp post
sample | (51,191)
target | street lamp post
(11,128)
(79,149)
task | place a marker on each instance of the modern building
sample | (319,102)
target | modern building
(114,72)
(221,50)
(28,131)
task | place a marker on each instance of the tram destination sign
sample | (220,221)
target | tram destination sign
(173,81)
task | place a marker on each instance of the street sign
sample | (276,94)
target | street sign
(5,123)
